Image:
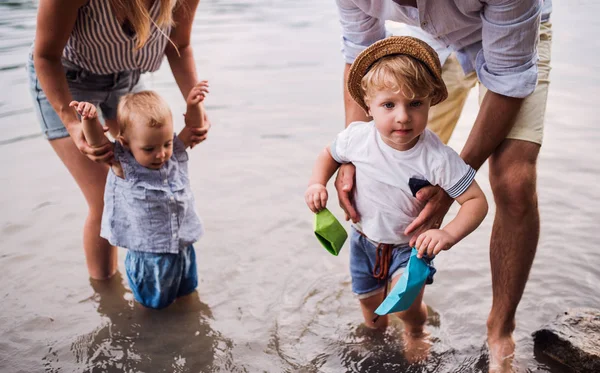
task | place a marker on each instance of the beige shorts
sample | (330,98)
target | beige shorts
(529,124)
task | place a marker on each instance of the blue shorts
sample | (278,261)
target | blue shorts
(156,280)
(363,257)
(104,91)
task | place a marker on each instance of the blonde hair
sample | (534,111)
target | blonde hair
(137,14)
(400,73)
(145,107)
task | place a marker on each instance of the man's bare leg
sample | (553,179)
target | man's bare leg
(513,243)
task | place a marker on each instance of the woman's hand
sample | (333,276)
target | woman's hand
(316,197)
(199,134)
(101,154)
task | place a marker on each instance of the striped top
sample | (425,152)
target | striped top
(99,44)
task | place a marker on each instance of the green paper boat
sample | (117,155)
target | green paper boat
(330,233)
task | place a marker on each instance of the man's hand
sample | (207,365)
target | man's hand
(438,203)
(316,197)
(344,182)
(431,242)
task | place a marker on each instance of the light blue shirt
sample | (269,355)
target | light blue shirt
(150,210)
(496,38)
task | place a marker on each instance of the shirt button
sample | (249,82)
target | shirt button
(174,235)
(174,214)
(424,23)
(172,198)
(165,181)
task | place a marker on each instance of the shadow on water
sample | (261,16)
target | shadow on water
(135,339)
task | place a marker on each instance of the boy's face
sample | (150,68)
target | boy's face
(398,119)
(151,146)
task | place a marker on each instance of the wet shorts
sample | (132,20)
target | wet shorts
(156,280)
(363,257)
(104,91)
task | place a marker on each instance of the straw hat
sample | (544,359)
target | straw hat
(405,45)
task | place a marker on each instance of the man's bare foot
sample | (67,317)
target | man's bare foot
(416,346)
(502,353)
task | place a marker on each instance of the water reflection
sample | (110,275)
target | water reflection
(135,339)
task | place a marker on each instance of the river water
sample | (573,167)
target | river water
(270,299)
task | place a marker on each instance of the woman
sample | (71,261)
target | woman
(95,51)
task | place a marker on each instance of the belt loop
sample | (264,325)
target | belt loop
(133,78)
(115,79)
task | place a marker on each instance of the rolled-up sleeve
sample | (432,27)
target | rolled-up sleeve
(507,63)
(359,29)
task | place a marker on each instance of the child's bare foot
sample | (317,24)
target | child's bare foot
(502,353)
(416,346)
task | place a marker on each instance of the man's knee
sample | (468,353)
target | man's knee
(514,188)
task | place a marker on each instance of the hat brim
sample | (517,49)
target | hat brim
(403,45)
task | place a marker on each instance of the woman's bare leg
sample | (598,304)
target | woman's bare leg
(101,257)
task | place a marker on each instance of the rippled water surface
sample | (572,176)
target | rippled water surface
(270,299)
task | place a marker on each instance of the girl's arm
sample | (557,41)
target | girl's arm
(316,193)
(472,211)
(55,21)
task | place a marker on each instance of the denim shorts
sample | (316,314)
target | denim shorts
(363,257)
(104,91)
(156,280)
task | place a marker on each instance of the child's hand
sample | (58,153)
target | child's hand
(85,109)
(198,93)
(316,197)
(432,241)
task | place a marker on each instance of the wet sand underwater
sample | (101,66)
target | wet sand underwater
(270,299)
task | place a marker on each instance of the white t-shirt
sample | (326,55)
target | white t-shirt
(382,195)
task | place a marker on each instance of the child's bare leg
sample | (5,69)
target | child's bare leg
(416,341)
(368,306)
(415,316)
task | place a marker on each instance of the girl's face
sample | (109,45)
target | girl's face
(399,120)
(151,147)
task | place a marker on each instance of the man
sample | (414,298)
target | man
(495,44)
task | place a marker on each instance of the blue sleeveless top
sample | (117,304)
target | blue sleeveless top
(150,210)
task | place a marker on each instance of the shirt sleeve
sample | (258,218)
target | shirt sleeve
(507,62)
(179,150)
(341,147)
(359,29)
(452,174)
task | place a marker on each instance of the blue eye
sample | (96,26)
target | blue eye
(388,105)
(416,103)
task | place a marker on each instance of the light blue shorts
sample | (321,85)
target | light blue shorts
(156,280)
(104,91)
(363,256)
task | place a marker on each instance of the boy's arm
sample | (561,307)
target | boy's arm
(324,168)
(316,193)
(472,212)
(473,208)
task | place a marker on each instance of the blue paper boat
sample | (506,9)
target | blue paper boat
(407,288)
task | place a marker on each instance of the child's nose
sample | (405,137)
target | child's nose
(402,116)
